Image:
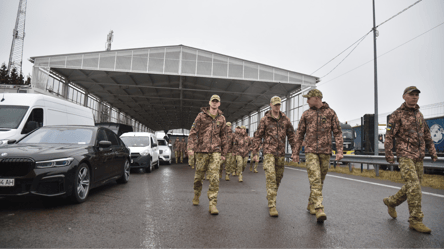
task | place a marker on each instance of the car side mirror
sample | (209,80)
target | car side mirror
(153,145)
(30,126)
(12,141)
(104,144)
(170,145)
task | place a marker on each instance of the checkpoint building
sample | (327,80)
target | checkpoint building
(163,88)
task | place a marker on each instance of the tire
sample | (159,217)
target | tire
(82,181)
(126,173)
(149,169)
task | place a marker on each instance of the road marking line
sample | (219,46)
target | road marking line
(373,183)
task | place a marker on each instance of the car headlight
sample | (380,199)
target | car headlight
(145,153)
(54,163)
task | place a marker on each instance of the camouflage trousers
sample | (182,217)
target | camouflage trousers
(210,163)
(274,172)
(177,155)
(241,164)
(191,161)
(317,168)
(255,163)
(412,172)
(221,167)
(232,164)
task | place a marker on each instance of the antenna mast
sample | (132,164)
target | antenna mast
(18,38)
(109,40)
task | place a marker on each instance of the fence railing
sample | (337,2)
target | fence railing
(376,161)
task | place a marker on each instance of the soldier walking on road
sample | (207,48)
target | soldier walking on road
(237,132)
(412,134)
(317,124)
(242,144)
(183,148)
(176,146)
(252,156)
(274,127)
(230,157)
(208,137)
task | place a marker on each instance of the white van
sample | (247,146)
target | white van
(20,113)
(143,149)
(164,147)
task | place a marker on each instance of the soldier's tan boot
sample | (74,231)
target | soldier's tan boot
(311,208)
(234,173)
(273,212)
(213,210)
(251,169)
(227,177)
(255,171)
(320,215)
(420,227)
(196,200)
(391,209)
(240,178)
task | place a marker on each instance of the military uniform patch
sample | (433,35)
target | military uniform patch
(194,125)
(389,127)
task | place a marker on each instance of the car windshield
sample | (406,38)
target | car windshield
(52,135)
(347,134)
(11,116)
(135,141)
(162,142)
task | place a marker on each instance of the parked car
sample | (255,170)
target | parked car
(63,161)
(118,128)
(164,148)
(21,113)
(144,150)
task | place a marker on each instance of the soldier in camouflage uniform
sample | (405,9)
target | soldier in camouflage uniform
(177,146)
(183,149)
(208,137)
(237,132)
(228,158)
(317,125)
(273,128)
(412,134)
(251,158)
(241,148)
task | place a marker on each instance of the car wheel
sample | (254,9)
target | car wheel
(126,173)
(149,169)
(82,180)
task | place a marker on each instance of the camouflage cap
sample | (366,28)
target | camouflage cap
(275,100)
(228,123)
(243,127)
(215,97)
(313,93)
(411,89)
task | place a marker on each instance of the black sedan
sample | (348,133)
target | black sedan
(63,161)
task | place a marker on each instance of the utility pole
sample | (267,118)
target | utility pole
(376,126)
(18,38)
(109,40)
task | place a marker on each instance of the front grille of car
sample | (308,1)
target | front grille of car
(135,155)
(16,166)
(160,151)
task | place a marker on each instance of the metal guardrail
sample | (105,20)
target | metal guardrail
(377,160)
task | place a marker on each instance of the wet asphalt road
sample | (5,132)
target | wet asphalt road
(155,210)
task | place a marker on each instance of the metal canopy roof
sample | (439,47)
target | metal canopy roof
(165,87)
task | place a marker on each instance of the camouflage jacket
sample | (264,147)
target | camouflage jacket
(208,135)
(412,134)
(176,145)
(260,147)
(230,139)
(274,131)
(241,145)
(183,146)
(317,125)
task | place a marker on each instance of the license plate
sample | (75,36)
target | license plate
(6,182)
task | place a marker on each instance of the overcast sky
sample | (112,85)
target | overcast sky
(296,35)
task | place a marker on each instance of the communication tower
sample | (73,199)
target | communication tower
(18,38)
(109,40)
